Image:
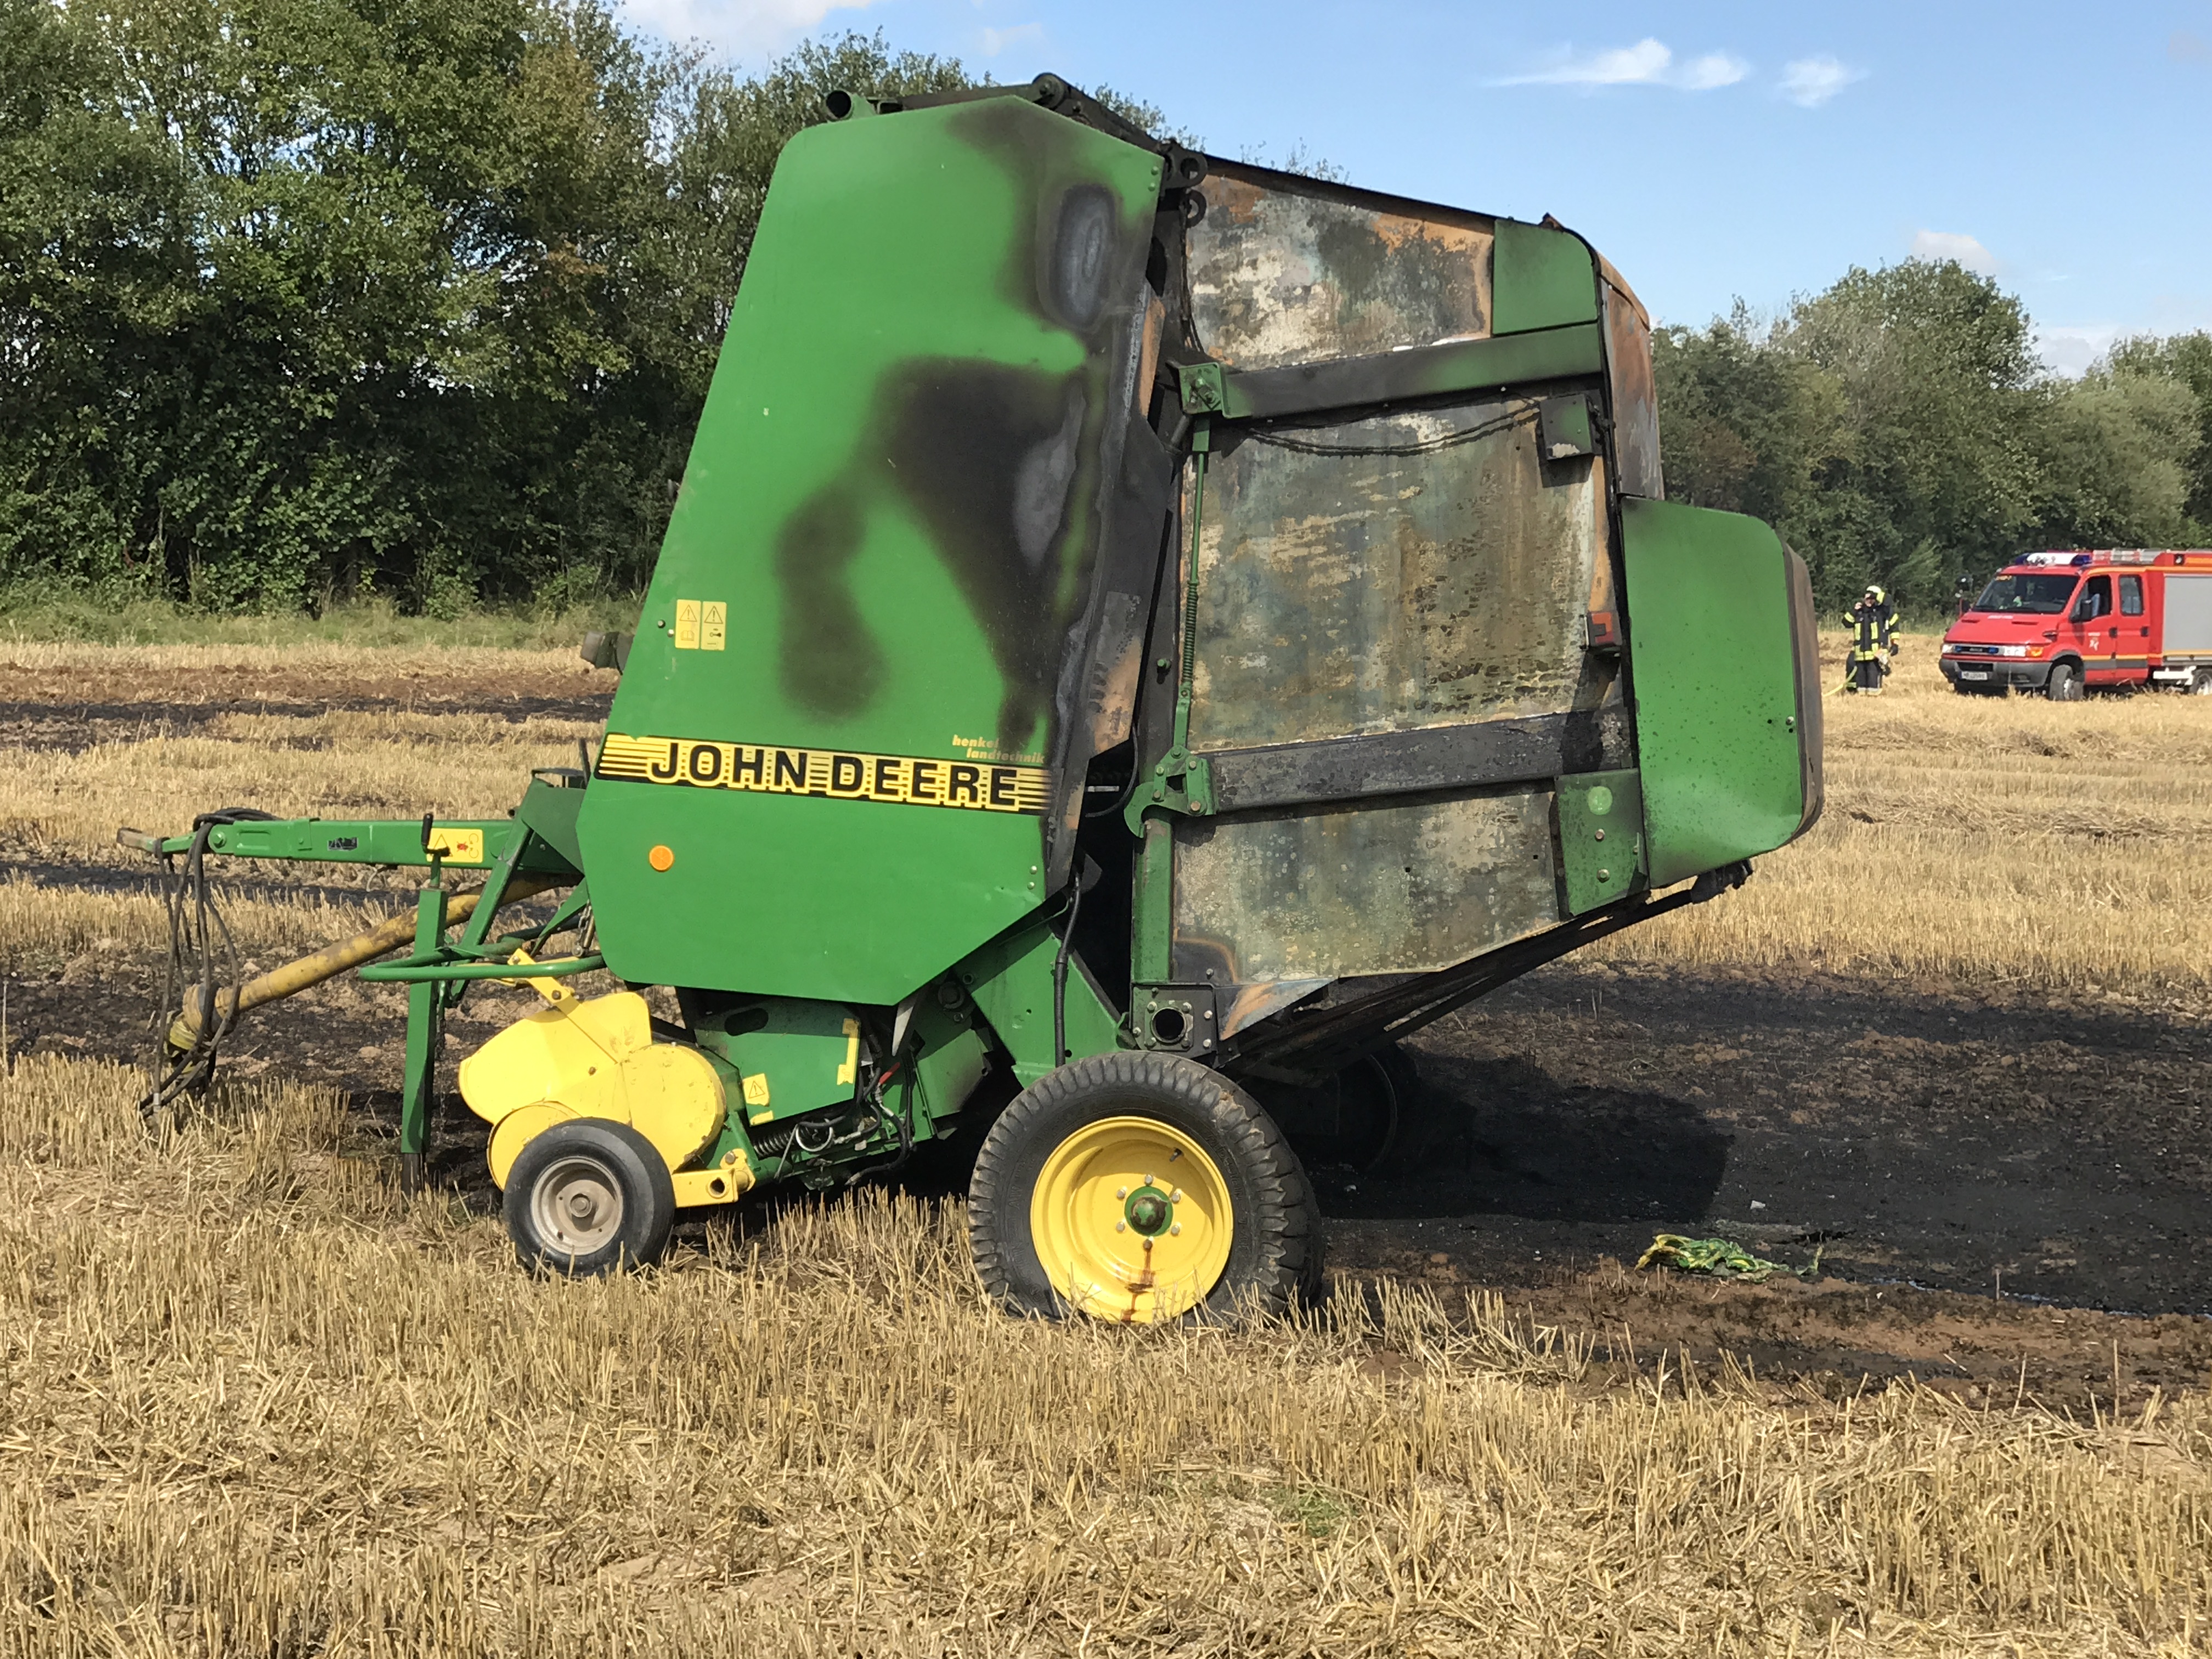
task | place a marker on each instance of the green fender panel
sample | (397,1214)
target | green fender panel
(1718,617)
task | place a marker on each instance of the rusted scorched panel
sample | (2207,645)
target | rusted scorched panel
(1402,886)
(1279,276)
(1390,590)
(1635,395)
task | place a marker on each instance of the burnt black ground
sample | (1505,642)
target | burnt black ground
(2026,1148)
(2033,1151)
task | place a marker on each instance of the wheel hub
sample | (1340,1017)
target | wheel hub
(1149,1210)
(578,1205)
(1131,1220)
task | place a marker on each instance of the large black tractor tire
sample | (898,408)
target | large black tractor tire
(1158,1189)
(588,1196)
(2064,684)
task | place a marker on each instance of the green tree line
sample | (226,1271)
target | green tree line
(1899,428)
(312,300)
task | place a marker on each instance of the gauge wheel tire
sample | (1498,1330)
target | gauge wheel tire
(2064,684)
(587,1197)
(1161,1192)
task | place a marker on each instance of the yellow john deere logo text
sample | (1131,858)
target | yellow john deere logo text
(838,774)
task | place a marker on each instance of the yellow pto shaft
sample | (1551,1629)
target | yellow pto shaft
(335,959)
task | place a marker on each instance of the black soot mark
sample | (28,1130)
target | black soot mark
(987,456)
(831,664)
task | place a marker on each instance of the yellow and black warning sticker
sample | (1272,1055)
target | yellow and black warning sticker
(838,774)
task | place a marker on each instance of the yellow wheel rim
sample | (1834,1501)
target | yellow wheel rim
(1131,1220)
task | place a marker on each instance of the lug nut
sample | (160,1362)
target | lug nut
(1121,1226)
(1177,1229)
(1121,1192)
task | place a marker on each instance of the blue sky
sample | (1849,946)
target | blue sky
(1712,150)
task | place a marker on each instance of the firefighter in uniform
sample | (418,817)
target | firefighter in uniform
(1874,641)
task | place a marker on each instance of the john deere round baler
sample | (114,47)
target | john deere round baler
(1138,635)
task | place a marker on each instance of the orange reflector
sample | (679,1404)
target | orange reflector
(661,858)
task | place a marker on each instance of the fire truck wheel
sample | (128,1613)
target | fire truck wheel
(588,1196)
(2064,684)
(1141,1189)
(2200,683)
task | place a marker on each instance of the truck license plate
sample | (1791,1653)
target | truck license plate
(1973,673)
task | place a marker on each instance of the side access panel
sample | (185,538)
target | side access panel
(1392,651)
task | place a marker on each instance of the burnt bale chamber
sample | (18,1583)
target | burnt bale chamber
(1457,679)
(1291,561)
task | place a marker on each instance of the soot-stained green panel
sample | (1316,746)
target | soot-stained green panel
(886,529)
(1543,278)
(1713,664)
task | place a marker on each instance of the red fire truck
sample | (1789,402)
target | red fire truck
(2058,623)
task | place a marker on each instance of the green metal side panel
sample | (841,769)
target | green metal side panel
(887,526)
(1542,278)
(791,1057)
(1011,980)
(950,1059)
(1712,665)
(1601,837)
(549,813)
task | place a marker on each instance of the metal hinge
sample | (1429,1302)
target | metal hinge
(1181,782)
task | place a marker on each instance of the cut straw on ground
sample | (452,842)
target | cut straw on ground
(256,1401)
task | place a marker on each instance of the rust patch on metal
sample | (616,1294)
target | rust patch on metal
(1148,360)
(1280,277)
(1406,887)
(1391,592)
(1251,1004)
(1634,394)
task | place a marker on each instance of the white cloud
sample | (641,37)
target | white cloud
(1714,68)
(1809,83)
(1950,245)
(2073,351)
(743,28)
(997,40)
(1649,63)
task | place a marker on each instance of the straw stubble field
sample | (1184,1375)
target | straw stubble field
(251,1400)
(257,1403)
(1994,842)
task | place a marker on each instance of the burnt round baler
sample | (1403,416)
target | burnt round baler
(1138,635)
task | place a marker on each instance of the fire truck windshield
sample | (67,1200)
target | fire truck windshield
(2039,595)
